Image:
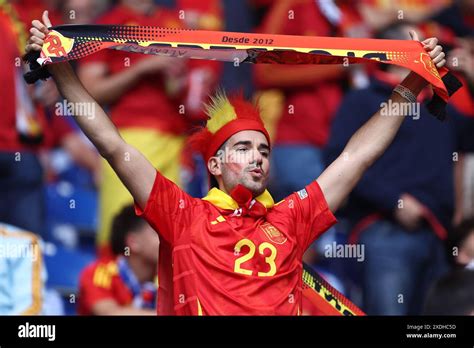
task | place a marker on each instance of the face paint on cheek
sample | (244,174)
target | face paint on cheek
(235,168)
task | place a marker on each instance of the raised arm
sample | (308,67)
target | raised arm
(133,169)
(372,139)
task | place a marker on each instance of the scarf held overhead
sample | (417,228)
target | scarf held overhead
(68,42)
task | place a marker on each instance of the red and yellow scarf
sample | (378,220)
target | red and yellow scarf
(69,42)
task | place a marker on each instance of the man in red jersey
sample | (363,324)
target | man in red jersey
(234,252)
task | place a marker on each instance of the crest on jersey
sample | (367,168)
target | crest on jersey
(273,233)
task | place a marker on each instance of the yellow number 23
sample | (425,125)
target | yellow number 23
(270,260)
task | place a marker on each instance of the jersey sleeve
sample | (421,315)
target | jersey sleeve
(309,213)
(168,209)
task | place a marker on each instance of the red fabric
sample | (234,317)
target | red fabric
(361,226)
(58,129)
(393,80)
(104,252)
(230,129)
(433,221)
(248,118)
(308,111)
(249,206)
(309,308)
(101,281)
(352,22)
(201,252)
(432,29)
(28,10)
(146,104)
(9,140)
(208,7)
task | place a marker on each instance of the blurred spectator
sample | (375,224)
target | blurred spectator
(139,90)
(26,130)
(201,81)
(127,284)
(22,275)
(238,17)
(461,244)
(21,131)
(65,133)
(298,102)
(456,22)
(404,203)
(29,10)
(459,17)
(452,295)
(311,94)
(82,11)
(378,14)
(203,75)
(201,15)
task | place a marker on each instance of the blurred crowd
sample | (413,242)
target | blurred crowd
(412,212)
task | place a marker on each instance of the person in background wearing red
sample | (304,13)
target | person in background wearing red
(127,284)
(202,79)
(142,93)
(25,130)
(301,132)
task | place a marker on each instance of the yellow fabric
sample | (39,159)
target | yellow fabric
(270,103)
(162,150)
(18,27)
(37,282)
(104,274)
(220,112)
(223,201)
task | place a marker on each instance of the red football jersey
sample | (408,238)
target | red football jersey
(100,281)
(214,262)
(146,103)
(299,124)
(11,100)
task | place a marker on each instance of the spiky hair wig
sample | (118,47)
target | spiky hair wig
(226,116)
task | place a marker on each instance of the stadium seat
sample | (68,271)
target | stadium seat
(64,267)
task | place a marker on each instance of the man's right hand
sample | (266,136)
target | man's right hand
(38,32)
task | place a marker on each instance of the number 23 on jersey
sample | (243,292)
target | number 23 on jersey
(270,259)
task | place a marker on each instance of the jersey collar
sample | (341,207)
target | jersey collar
(223,201)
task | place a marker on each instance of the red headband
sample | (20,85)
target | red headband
(229,130)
